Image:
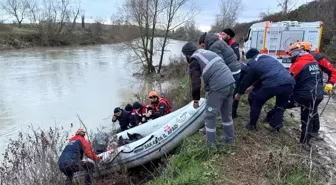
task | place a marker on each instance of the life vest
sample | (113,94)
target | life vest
(230,42)
(156,106)
(142,112)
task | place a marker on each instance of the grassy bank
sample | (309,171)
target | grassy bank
(31,35)
(257,158)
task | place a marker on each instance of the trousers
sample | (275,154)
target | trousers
(70,169)
(219,101)
(262,95)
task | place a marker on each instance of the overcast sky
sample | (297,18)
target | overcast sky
(251,10)
(104,9)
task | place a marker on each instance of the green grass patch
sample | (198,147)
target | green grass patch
(193,163)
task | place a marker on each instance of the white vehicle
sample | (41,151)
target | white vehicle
(273,38)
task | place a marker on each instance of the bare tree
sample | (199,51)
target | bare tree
(75,11)
(286,5)
(264,14)
(16,8)
(153,17)
(51,17)
(143,14)
(175,18)
(228,15)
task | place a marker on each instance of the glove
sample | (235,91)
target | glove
(149,114)
(328,88)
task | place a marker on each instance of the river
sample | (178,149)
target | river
(47,87)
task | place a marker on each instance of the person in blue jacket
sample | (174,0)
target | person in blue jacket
(124,118)
(244,71)
(71,158)
(273,79)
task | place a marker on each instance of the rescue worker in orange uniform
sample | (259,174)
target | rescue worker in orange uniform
(71,158)
(159,104)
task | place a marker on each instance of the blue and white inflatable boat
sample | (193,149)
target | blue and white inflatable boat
(159,137)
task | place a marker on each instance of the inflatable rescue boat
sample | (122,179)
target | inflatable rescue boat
(157,138)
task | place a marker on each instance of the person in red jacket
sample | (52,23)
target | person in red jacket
(71,158)
(160,105)
(325,66)
(227,35)
(308,91)
(141,113)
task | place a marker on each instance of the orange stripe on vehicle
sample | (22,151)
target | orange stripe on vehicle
(278,53)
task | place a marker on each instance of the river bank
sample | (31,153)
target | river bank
(31,36)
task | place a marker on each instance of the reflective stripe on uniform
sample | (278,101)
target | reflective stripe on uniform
(228,123)
(209,64)
(236,72)
(210,129)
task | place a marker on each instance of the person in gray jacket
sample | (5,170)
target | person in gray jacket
(219,86)
(212,42)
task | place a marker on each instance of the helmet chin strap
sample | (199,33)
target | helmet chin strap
(296,54)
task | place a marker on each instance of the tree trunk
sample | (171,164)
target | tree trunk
(170,17)
(162,52)
(153,34)
(83,21)
(75,19)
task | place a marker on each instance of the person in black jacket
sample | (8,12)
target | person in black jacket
(273,79)
(227,35)
(124,118)
(244,71)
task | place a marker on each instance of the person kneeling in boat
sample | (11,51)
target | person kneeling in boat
(142,113)
(160,105)
(71,158)
(124,118)
(219,85)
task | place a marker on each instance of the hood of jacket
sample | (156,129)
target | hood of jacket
(210,38)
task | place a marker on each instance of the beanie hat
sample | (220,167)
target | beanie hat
(252,53)
(189,49)
(229,32)
(128,107)
(137,105)
(117,109)
(202,38)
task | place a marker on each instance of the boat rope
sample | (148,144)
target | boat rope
(122,151)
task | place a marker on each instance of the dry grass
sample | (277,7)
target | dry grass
(32,158)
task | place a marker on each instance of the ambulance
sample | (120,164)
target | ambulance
(274,38)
